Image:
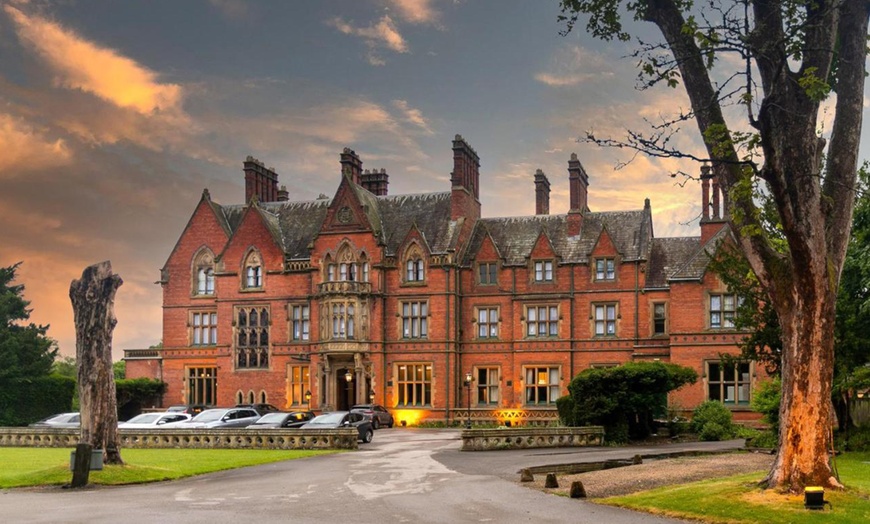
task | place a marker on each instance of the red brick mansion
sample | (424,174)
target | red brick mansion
(418,303)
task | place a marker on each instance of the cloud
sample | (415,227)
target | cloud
(416,11)
(25,148)
(381,35)
(231,9)
(80,64)
(413,116)
(575,65)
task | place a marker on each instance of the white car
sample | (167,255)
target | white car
(153,420)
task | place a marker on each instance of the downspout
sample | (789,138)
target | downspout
(572,332)
(636,302)
(447,342)
(456,323)
(384,328)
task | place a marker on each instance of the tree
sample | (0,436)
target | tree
(792,55)
(25,350)
(64,366)
(93,301)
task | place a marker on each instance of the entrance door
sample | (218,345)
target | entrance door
(345,389)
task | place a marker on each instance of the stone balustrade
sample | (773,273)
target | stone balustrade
(531,437)
(191,438)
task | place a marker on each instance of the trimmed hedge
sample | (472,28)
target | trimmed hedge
(23,401)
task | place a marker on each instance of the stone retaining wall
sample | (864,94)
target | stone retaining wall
(530,437)
(191,438)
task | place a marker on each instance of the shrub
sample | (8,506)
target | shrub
(711,420)
(565,406)
(29,400)
(765,439)
(765,400)
(856,439)
(625,399)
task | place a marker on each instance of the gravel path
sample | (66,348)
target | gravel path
(657,473)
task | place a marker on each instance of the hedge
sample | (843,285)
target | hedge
(23,401)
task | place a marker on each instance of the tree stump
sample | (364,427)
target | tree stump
(577,490)
(93,301)
(551,481)
(526,475)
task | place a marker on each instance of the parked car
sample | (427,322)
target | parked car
(280,419)
(261,408)
(220,418)
(63,420)
(191,409)
(154,420)
(343,419)
(377,414)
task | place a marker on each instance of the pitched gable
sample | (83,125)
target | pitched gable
(207,227)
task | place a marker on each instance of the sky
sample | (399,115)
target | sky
(114,116)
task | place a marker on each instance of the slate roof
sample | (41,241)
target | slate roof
(430,212)
(695,265)
(515,237)
(667,255)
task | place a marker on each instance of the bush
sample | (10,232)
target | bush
(856,439)
(27,400)
(765,400)
(625,399)
(711,420)
(565,406)
(765,439)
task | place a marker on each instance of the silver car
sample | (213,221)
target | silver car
(220,418)
(63,420)
(153,420)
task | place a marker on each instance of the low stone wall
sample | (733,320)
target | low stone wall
(524,438)
(191,438)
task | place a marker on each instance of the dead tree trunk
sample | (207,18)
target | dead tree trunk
(93,300)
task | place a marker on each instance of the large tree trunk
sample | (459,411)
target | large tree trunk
(806,421)
(93,300)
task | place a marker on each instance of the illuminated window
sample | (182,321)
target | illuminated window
(298,378)
(541,385)
(542,321)
(414,384)
(202,386)
(204,326)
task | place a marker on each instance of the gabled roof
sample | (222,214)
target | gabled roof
(667,256)
(430,212)
(696,265)
(515,237)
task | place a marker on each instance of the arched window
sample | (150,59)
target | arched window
(240,397)
(253,271)
(252,337)
(251,397)
(263,397)
(203,272)
(415,267)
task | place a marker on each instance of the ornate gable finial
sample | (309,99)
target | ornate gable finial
(206,195)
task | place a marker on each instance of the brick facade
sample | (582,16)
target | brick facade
(407,295)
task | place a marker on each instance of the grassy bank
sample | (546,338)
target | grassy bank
(738,499)
(50,466)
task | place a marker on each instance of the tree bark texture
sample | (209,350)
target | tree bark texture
(93,300)
(814,202)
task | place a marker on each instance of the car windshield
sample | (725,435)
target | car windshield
(328,418)
(209,415)
(145,418)
(271,418)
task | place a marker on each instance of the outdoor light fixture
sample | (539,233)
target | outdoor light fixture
(348,376)
(308,399)
(468,378)
(372,396)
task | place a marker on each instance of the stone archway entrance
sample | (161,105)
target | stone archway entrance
(346,381)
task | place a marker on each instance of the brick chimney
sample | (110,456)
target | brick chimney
(578,185)
(260,181)
(351,165)
(465,181)
(542,193)
(713,208)
(375,181)
(283,194)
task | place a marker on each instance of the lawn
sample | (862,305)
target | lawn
(738,499)
(50,466)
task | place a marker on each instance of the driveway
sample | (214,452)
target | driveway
(405,475)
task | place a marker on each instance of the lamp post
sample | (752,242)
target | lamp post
(308,399)
(468,379)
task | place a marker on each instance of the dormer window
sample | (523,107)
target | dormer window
(414,270)
(544,271)
(203,273)
(253,272)
(605,269)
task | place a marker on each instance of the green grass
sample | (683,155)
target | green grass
(738,499)
(50,466)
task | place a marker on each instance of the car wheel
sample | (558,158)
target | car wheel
(367,437)
(376,423)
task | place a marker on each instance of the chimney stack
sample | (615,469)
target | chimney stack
(711,222)
(542,193)
(375,181)
(283,194)
(578,182)
(465,182)
(260,181)
(351,165)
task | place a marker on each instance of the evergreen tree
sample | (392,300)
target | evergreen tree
(25,350)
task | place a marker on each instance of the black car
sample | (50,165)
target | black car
(343,419)
(279,419)
(377,414)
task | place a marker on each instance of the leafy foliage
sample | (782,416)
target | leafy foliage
(766,399)
(626,398)
(25,350)
(32,399)
(711,420)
